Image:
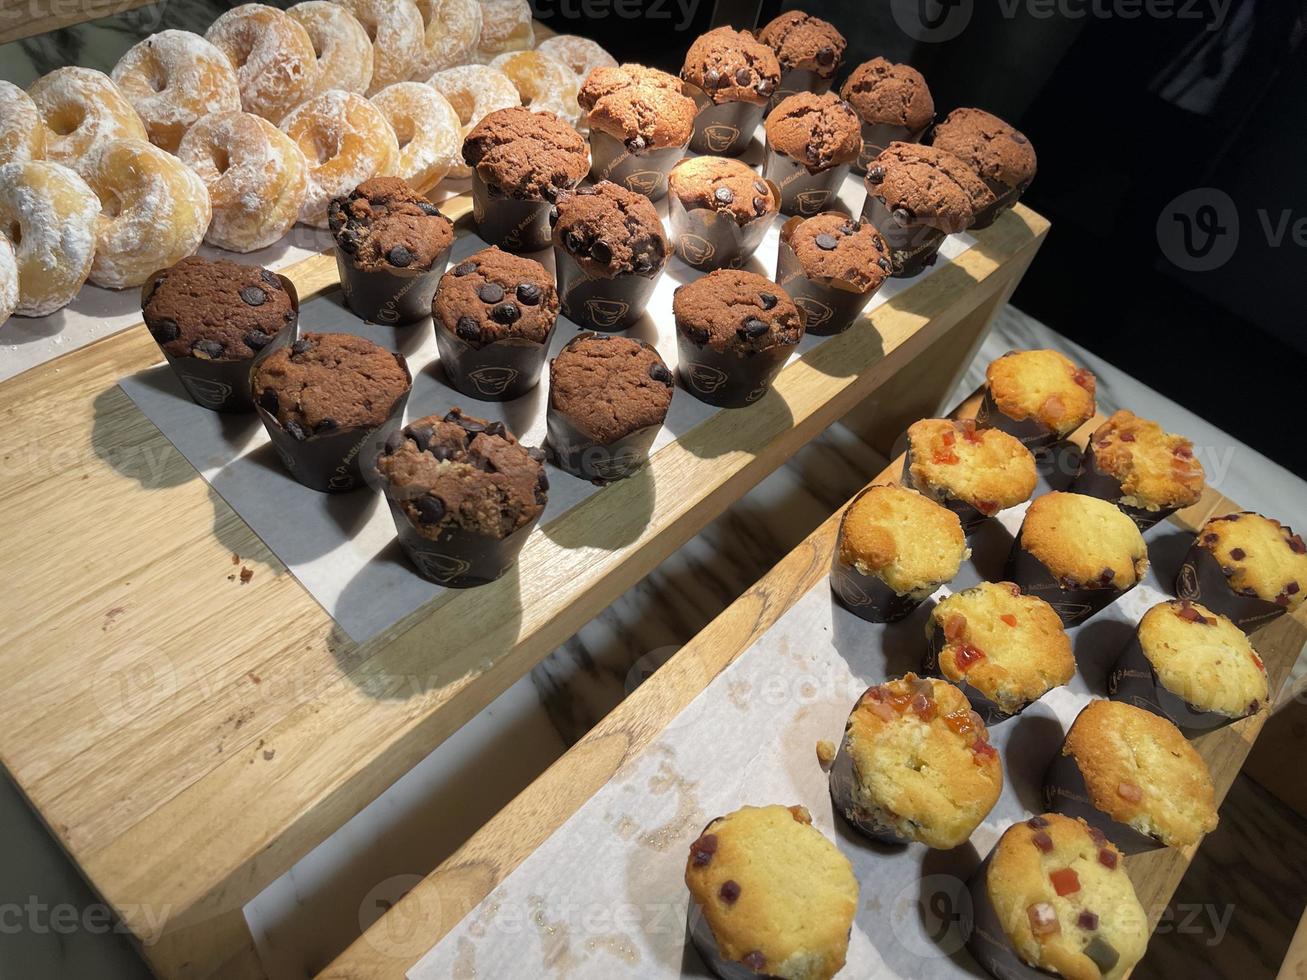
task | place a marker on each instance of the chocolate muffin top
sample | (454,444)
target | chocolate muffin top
(609,387)
(732,66)
(834,246)
(525,154)
(730,309)
(329,381)
(492,295)
(724,185)
(924,185)
(1000,155)
(819,131)
(217,311)
(385,224)
(883,92)
(642,107)
(803,41)
(461,472)
(610,231)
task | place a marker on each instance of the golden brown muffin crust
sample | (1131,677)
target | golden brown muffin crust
(1156,470)
(1045,385)
(986,468)
(906,539)
(1084,542)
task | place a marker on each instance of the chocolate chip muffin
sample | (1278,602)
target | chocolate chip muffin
(1039,396)
(720,210)
(1247,567)
(734,331)
(732,66)
(608,396)
(893,102)
(464,493)
(998,154)
(805,43)
(974,472)
(642,108)
(818,131)
(494,314)
(833,246)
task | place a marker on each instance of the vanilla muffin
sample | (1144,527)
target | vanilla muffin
(1009,649)
(1039,396)
(1054,893)
(916,764)
(972,471)
(1078,553)
(1145,470)
(776,897)
(895,547)
(1259,559)
(1139,775)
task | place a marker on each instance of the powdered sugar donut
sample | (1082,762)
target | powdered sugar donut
(398,38)
(172,79)
(428,130)
(8,280)
(82,108)
(256,176)
(22,133)
(579,53)
(273,55)
(343,46)
(346,140)
(543,82)
(453,28)
(154,211)
(474,91)
(505,26)
(54,212)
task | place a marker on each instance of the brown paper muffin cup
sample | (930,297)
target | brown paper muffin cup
(1073,606)
(1201,580)
(496,372)
(331,462)
(988,709)
(724,129)
(1030,432)
(644,171)
(514,225)
(866,596)
(1005,198)
(912,248)
(1093,482)
(224,386)
(705,943)
(597,303)
(829,306)
(988,941)
(803,191)
(970,517)
(1135,681)
(389,296)
(458,559)
(707,239)
(576,453)
(866,822)
(796,80)
(1065,793)
(724,378)
(877,136)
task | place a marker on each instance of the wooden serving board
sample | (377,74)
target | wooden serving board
(187,737)
(442,899)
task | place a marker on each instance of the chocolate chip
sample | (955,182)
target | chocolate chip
(742,76)
(635,144)
(257,339)
(1291,588)
(463,268)
(553,215)
(469,425)
(1238,554)
(753,327)
(885,265)
(496,429)
(723,195)
(400,256)
(765,86)
(826,243)
(659,373)
(270,278)
(490,292)
(395,441)
(702,850)
(253,295)
(759,206)
(643,265)
(326,425)
(428,208)
(542,481)
(730,891)
(165,331)
(711,78)
(761,186)
(573,242)
(506,313)
(601,253)
(268,401)
(441,453)
(1018,138)
(421,436)
(697,334)
(468,328)
(768,300)
(301,346)
(207,349)
(826,55)
(430,509)
(876,174)
(536,453)
(296,430)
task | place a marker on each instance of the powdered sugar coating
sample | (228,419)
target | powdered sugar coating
(55,213)
(453,28)
(272,54)
(343,46)
(505,26)
(543,82)
(346,140)
(8,280)
(82,108)
(256,176)
(22,133)
(474,91)
(580,54)
(428,131)
(398,37)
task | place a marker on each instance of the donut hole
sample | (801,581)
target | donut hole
(66,119)
(111,205)
(156,79)
(405,129)
(326,146)
(15,234)
(221,159)
(464,104)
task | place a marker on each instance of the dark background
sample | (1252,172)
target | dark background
(1126,113)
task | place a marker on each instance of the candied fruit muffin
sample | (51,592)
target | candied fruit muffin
(1039,396)
(1145,470)
(1247,567)
(974,472)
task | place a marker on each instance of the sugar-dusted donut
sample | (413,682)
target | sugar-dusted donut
(273,55)
(8,280)
(343,46)
(453,28)
(154,211)
(256,176)
(505,26)
(54,214)
(543,81)
(346,140)
(81,108)
(579,53)
(474,91)
(398,38)
(428,129)
(22,133)
(172,79)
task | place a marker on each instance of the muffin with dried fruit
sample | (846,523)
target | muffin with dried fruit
(1039,396)
(732,75)
(973,472)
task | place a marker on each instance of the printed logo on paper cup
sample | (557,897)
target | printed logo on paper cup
(341,481)
(850,591)
(1072,611)
(754,395)
(615,466)
(513,240)
(720,136)
(206,391)
(810,202)
(697,249)
(644,181)
(705,379)
(440,567)
(816,313)
(478,210)
(492,380)
(1186,584)
(606,312)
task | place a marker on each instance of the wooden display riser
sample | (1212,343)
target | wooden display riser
(442,899)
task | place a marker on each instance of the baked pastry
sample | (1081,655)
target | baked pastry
(831,265)
(810,51)
(1141,468)
(973,472)
(720,210)
(1039,396)
(894,103)
(770,895)
(474,91)
(895,547)
(608,397)
(543,82)
(733,75)
(464,494)
(22,130)
(256,176)
(428,130)
(506,25)
(398,38)
(915,765)
(811,141)
(81,109)
(342,45)
(1054,896)
(1000,156)
(8,280)
(1247,567)
(453,28)
(580,54)
(55,214)
(1132,774)
(273,56)
(1004,649)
